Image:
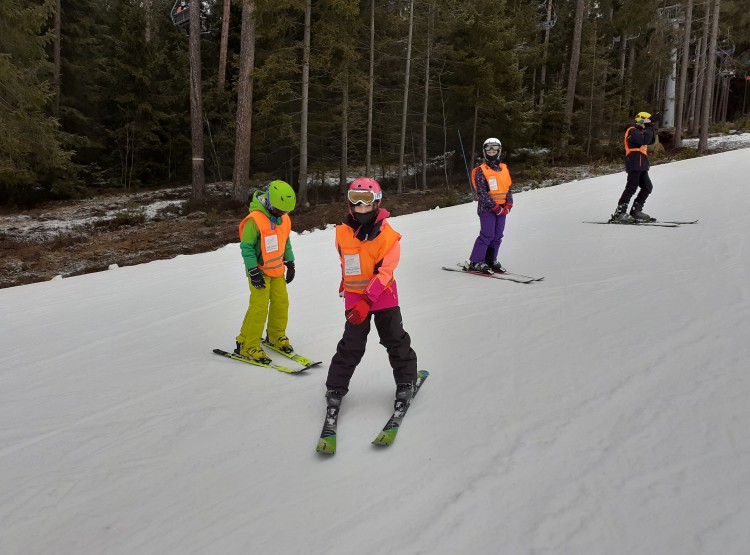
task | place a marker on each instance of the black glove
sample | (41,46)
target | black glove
(289,271)
(256,278)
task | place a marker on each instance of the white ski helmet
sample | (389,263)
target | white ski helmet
(489,143)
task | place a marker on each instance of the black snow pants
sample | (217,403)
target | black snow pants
(351,349)
(637,179)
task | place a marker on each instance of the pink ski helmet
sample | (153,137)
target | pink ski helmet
(367,191)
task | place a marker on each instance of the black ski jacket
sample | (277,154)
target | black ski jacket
(637,137)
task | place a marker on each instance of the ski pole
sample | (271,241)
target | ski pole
(466,164)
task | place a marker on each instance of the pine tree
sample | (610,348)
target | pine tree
(30,151)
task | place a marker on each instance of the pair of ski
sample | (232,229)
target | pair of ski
(652,223)
(327,441)
(299,359)
(507,276)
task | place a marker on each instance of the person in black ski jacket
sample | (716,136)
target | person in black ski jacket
(637,139)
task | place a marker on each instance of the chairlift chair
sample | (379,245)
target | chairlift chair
(181,14)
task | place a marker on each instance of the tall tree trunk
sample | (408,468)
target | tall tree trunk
(304,118)
(344,131)
(196,108)
(629,84)
(700,69)
(241,173)
(709,79)
(681,90)
(223,44)
(725,105)
(691,124)
(623,50)
(545,53)
(147,15)
(474,128)
(445,125)
(592,90)
(57,47)
(370,90)
(718,91)
(575,57)
(404,111)
(425,106)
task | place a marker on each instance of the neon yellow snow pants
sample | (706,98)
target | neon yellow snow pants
(271,303)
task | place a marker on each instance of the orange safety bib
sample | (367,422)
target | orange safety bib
(359,258)
(273,240)
(499,182)
(642,149)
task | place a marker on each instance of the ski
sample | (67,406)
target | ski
(508,276)
(235,356)
(299,359)
(680,223)
(388,434)
(655,223)
(327,441)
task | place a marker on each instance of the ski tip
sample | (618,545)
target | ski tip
(422,374)
(384,439)
(327,445)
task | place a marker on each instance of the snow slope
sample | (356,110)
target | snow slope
(603,410)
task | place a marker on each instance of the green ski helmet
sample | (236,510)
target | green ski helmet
(280,196)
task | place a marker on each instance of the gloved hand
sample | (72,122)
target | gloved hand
(256,278)
(289,271)
(358,313)
(506,208)
(497,209)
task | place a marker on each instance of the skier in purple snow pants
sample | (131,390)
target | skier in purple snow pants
(491,181)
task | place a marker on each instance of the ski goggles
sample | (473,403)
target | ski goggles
(359,196)
(492,148)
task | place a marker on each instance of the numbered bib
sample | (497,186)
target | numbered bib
(271,243)
(493,183)
(352,266)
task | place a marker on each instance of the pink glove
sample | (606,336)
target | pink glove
(506,208)
(358,313)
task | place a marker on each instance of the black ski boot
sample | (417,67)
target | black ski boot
(621,215)
(404,392)
(639,216)
(479,267)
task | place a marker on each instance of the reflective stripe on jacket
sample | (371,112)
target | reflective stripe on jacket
(273,239)
(498,182)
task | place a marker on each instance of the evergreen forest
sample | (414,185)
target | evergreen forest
(129,94)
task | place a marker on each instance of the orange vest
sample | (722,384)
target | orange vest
(273,240)
(359,258)
(642,149)
(499,182)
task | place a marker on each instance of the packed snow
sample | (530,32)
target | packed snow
(602,410)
